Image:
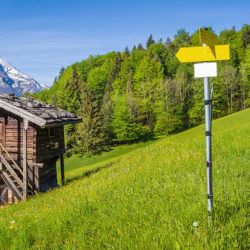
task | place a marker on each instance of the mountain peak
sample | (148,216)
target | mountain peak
(12,80)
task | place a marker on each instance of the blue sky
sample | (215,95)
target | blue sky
(38,37)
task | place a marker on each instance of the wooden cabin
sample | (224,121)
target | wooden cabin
(31,142)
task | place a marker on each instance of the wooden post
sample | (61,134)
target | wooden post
(25,184)
(62,169)
(1,140)
(3,132)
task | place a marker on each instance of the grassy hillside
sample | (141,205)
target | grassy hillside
(77,166)
(146,199)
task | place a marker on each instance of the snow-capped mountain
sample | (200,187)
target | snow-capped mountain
(11,80)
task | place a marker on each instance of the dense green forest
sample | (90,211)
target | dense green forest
(144,92)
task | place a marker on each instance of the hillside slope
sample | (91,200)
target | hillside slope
(147,199)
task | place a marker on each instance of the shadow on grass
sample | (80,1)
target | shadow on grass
(90,172)
(224,211)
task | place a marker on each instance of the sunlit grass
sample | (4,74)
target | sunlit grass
(78,166)
(146,199)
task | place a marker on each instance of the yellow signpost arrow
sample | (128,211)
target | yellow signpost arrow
(203,54)
(208,38)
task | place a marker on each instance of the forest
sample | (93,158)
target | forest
(144,92)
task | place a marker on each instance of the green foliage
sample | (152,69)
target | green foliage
(90,134)
(148,91)
(124,128)
(182,38)
(150,41)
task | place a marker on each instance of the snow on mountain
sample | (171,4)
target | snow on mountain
(12,80)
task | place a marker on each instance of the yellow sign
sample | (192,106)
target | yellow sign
(203,54)
(208,37)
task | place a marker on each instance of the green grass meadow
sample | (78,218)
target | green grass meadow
(78,166)
(144,198)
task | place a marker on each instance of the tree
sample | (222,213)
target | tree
(68,95)
(125,129)
(244,83)
(61,71)
(246,35)
(182,38)
(150,41)
(127,51)
(140,47)
(158,52)
(107,114)
(90,135)
(169,112)
(168,41)
(229,79)
(115,70)
(148,75)
(130,97)
(181,83)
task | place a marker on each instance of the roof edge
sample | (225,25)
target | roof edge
(22,113)
(55,124)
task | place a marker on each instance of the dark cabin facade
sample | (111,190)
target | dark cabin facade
(31,141)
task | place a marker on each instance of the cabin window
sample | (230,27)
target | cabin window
(52,132)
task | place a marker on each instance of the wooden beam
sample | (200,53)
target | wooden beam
(3,132)
(25,184)
(11,171)
(62,169)
(1,139)
(11,185)
(9,157)
(37,165)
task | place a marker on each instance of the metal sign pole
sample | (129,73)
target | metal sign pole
(208,122)
(211,51)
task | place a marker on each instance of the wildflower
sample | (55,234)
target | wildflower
(12,222)
(195,224)
(219,229)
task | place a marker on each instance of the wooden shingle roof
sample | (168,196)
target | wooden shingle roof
(37,112)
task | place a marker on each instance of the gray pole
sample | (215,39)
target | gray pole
(208,123)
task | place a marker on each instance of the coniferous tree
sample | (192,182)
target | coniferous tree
(68,97)
(182,38)
(244,84)
(127,51)
(168,41)
(61,71)
(139,47)
(115,70)
(107,104)
(150,41)
(246,35)
(90,134)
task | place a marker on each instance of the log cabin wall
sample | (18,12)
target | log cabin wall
(44,145)
(12,139)
(50,144)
